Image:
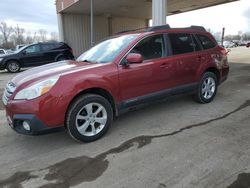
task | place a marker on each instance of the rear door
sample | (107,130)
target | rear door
(183,53)
(49,52)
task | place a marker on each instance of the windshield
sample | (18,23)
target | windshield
(107,50)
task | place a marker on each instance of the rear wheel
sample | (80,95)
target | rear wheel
(207,88)
(13,66)
(89,118)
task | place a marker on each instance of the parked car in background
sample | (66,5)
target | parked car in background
(115,76)
(2,51)
(242,43)
(19,46)
(248,45)
(10,51)
(36,55)
(229,44)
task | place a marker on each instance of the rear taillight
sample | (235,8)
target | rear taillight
(220,58)
(223,56)
(223,51)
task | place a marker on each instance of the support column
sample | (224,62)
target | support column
(159,12)
(91,24)
(60,27)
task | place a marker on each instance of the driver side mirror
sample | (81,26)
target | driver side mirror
(134,58)
(24,52)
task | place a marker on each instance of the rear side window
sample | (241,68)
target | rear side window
(206,42)
(47,47)
(60,45)
(151,47)
(1,52)
(181,43)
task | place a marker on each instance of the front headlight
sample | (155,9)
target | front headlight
(1,59)
(37,89)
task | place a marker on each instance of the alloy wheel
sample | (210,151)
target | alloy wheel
(91,119)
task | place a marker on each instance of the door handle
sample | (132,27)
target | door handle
(163,65)
(201,58)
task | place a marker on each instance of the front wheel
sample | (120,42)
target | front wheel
(89,118)
(13,67)
(207,88)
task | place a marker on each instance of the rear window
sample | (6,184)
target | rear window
(181,43)
(206,42)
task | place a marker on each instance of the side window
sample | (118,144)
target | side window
(59,45)
(47,47)
(1,52)
(33,49)
(181,43)
(151,47)
(206,42)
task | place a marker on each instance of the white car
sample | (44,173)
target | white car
(2,52)
(229,44)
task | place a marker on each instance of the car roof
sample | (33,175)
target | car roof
(164,28)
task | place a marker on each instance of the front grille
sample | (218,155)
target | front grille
(9,90)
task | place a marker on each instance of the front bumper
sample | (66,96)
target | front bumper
(37,127)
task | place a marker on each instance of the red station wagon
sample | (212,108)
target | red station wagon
(118,74)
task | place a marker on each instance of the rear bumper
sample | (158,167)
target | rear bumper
(37,127)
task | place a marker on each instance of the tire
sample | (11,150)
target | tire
(207,88)
(89,118)
(13,66)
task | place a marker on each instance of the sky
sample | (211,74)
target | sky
(41,14)
(233,16)
(31,15)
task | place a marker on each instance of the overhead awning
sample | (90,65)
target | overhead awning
(132,8)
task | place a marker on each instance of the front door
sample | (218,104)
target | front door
(32,56)
(139,81)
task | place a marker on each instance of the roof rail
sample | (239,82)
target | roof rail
(163,27)
(198,28)
(160,27)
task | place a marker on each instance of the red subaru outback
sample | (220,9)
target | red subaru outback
(113,77)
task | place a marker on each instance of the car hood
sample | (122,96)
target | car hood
(7,55)
(51,70)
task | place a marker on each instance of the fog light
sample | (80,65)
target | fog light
(26,126)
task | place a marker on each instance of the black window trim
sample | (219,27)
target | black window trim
(195,38)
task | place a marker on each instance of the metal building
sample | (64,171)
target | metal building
(85,22)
